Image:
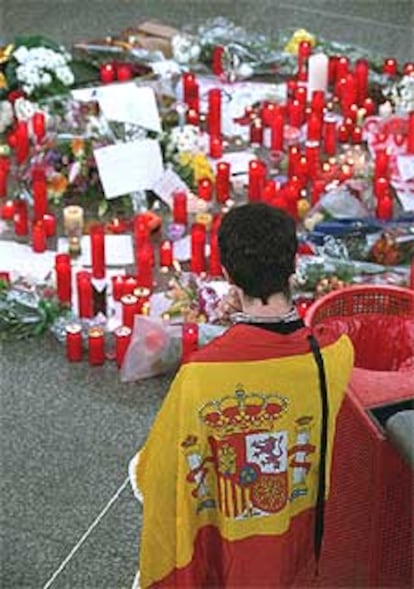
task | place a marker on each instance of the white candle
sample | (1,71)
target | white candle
(317,73)
(73,220)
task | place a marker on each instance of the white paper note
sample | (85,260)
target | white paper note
(128,103)
(167,184)
(127,167)
(118,250)
(406,166)
(20,260)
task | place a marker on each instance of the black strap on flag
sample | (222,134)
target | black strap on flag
(320,498)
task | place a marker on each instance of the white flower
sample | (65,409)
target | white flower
(6,115)
(45,79)
(65,75)
(21,54)
(24,109)
(185,48)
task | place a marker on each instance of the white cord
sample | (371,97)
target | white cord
(86,534)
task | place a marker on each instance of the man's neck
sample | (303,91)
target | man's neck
(277,306)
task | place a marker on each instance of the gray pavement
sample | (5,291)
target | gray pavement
(68,431)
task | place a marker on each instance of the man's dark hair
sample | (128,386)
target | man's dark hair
(257,248)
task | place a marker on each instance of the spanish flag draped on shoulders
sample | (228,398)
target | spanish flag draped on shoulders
(231,470)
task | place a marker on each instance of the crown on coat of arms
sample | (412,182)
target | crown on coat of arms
(243,411)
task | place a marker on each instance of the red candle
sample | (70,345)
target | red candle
(295,113)
(257,177)
(348,92)
(39,189)
(223,182)
(215,268)
(39,125)
(20,217)
(205,189)
(7,210)
(22,141)
(384,208)
(107,73)
(369,106)
(361,77)
(389,66)
(129,307)
(214,112)
(292,191)
(305,49)
(193,117)
(410,135)
(123,72)
(216,147)
(314,127)
(96,346)
(276,132)
(198,245)
(145,263)
(189,340)
(166,254)
(357,135)
(302,170)
(38,237)
(97,235)
(343,133)
(269,192)
(381,163)
(293,160)
(74,348)
(180,207)
(122,341)
(217,61)
(191,91)
(342,67)
(49,222)
(318,102)
(381,187)
(4,174)
(63,278)
(117,287)
(301,95)
(256,132)
(332,67)
(141,230)
(268,113)
(329,136)
(318,188)
(85,295)
(291,86)
(313,156)
(129,284)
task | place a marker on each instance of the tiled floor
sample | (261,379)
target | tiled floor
(68,431)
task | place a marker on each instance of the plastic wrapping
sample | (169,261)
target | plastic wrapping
(155,347)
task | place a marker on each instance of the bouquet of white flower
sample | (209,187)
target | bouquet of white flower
(39,68)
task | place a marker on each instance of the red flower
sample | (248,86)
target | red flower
(14,95)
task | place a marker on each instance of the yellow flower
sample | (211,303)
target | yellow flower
(3,81)
(185,158)
(298,36)
(201,167)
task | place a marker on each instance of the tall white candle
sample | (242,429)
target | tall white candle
(317,73)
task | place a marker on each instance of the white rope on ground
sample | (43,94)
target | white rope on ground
(86,534)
